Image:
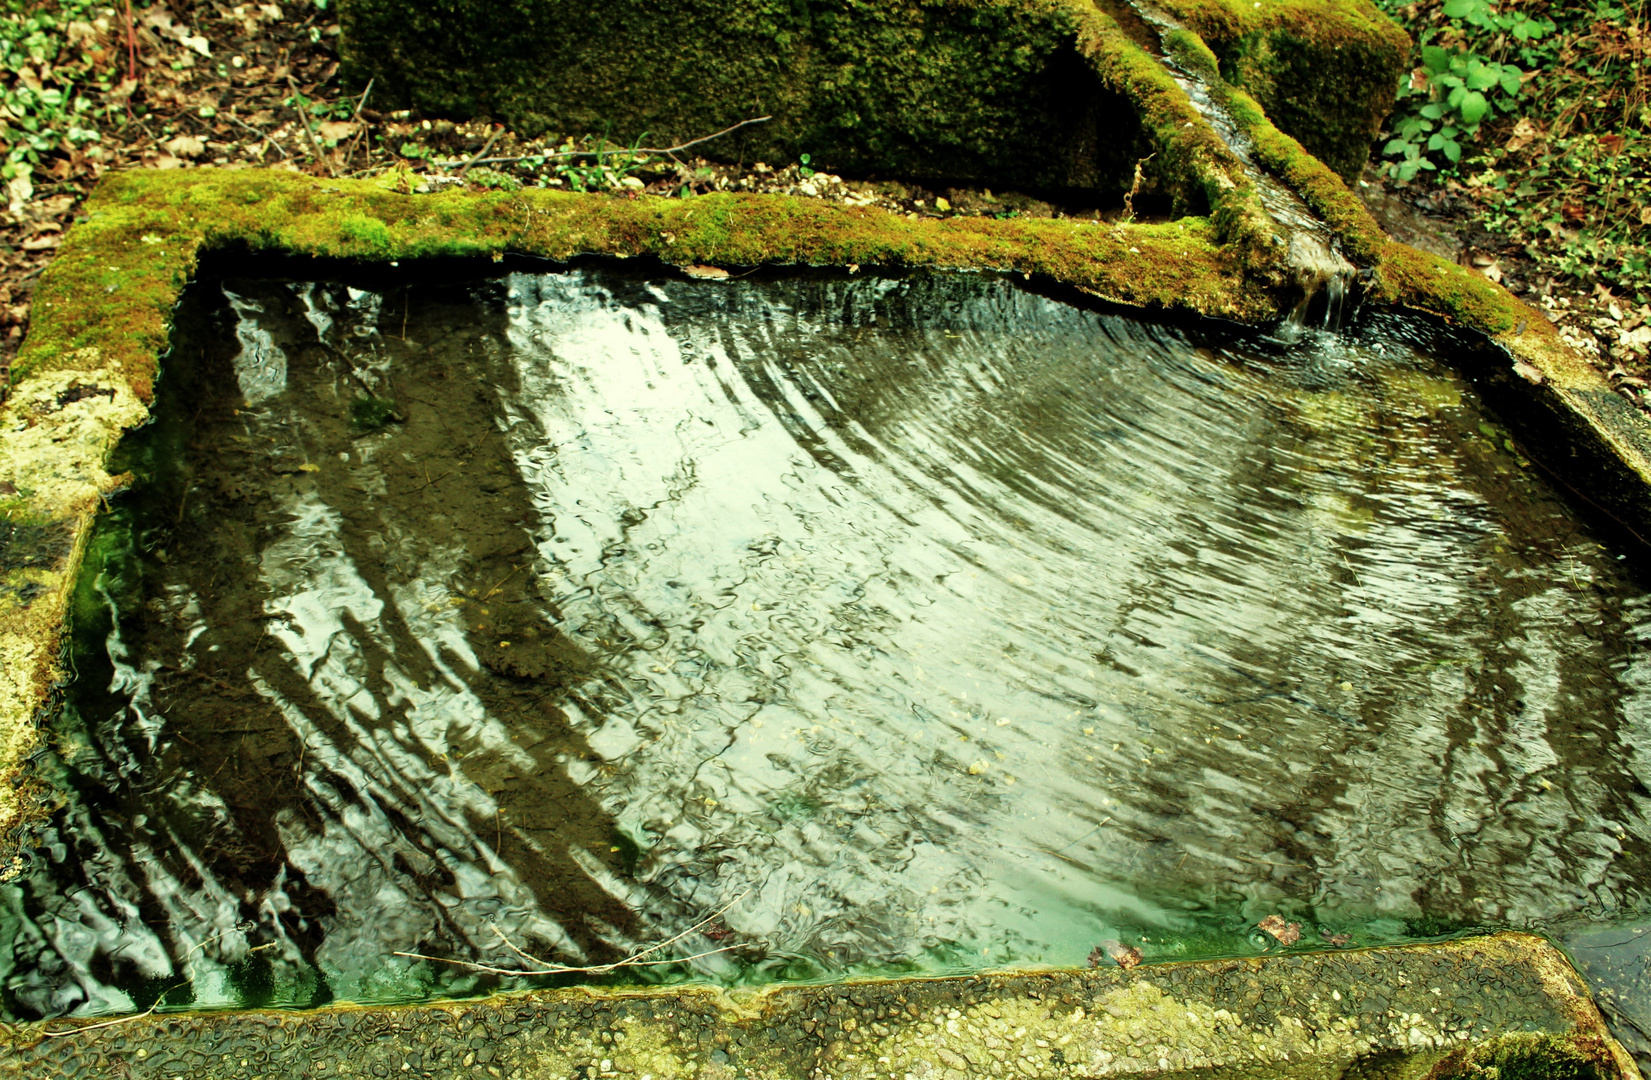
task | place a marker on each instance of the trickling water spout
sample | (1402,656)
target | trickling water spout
(1312,252)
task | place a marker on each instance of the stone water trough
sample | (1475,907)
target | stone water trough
(225,365)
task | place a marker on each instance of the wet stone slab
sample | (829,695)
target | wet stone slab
(1507,1002)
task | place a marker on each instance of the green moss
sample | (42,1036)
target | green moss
(1401,275)
(1325,70)
(1530,1056)
(988,91)
(369,413)
(119,273)
(366,232)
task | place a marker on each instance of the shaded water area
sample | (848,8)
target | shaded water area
(926,624)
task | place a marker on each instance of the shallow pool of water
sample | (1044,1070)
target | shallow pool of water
(923,624)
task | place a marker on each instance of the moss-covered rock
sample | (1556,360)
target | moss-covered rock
(1000,92)
(118,274)
(979,90)
(1325,71)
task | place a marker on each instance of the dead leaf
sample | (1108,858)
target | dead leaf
(188,146)
(1125,956)
(121,91)
(705,273)
(1611,143)
(19,191)
(166,161)
(335,130)
(1575,213)
(1524,133)
(197,43)
(42,243)
(1419,79)
(1529,372)
(1636,340)
(1286,933)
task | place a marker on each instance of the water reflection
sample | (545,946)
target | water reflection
(936,622)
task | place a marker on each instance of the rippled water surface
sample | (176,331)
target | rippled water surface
(924,624)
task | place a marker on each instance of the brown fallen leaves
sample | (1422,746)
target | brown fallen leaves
(1286,933)
(1125,956)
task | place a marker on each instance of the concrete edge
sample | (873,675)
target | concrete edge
(1508,1002)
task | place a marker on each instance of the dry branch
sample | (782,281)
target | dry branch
(545,967)
(549,155)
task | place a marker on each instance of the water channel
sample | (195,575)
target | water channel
(922,624)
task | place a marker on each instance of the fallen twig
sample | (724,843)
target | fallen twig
(361,129)
(119,1019)
(598,153)
(131,48)
(486,146)
(1135,188)
(635,960)
(267,140)
(203,943)
(315,144)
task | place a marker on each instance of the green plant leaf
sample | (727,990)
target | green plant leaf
(1482,76)
(1473,108)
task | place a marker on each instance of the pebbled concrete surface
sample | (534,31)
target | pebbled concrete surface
(1508,1003)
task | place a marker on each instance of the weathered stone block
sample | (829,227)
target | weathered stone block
(1000,92)
(1325,71)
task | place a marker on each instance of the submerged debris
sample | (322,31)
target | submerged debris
(1286,933)
(1126,956)
(369,414)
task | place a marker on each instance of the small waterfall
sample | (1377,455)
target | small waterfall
(1314,254)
